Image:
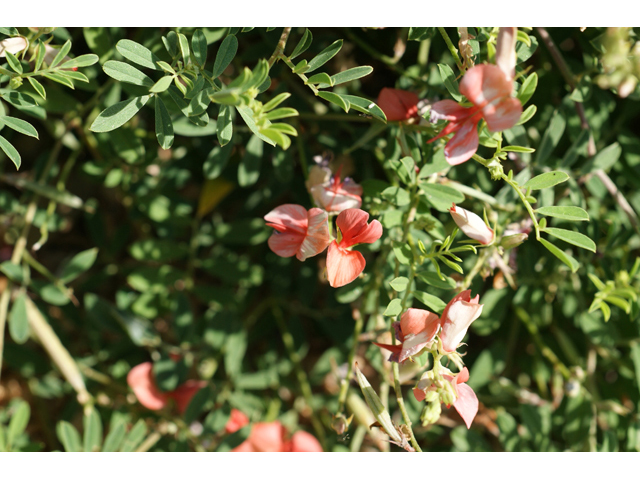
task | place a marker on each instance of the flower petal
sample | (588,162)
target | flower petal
(305,442)
(288,217)
(394,349)
(484,84)
(416,320)
(471,225)
(460,315)
(236,421)
(12,45)
(267,437)
(398,104)
(285,244)
(317,237)
(351,222)
(448,110)
(185,393)
(143,384)
(506,50)
(502,115)
(466,404)
(343,266)
(463,144)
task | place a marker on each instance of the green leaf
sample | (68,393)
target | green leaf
(377,408)
(249,168)
(162,84)
(64,50)
(117,115)
(37,86)
(275,101)
(59,78)
(18,320)
(394,308)
(324,56)
(81,77)
(226,52)
(403,253)
(138,54)
(19,421)
(247,115)
(527,114)
(351,74)
(321,77)
(365,106)
(135,436)
(199,47)
(399,284)
(10,151)
(528,88)
(449,80)
(115,437)
(574,238)
(184,48)
(546,180)
(92,431)
(225,125)
(216,161)
(578,147)
(124,72)
(81,61)
(13,271)
(571,262)
(575,214)
(164,125)
(69,437)
(431,301)
(551,137)
(605,159)
(517,149)
(335,99)
(79,264)
(19,126)
(49,191)
(303,44)
(635,358)
(396,195)
(13,62)
(434,280)
(418,34)
(171,43)
(284,112)
(441,196)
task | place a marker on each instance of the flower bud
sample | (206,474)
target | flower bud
(431,396)
(512,241)
(471,225)
(431,413)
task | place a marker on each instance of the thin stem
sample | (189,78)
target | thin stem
(400,400)
(526,203)
(279,51)
(301,75)
(287,339)
(344,383)
(452,48)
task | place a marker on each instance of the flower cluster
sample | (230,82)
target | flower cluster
(416,330)
(307,233)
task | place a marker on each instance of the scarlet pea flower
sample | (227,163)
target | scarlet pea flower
(298,232)
(271,437)
(398,105)
(471,225)
(489,89)
(456,318)
(466,402)
(12,45)
(343,264)
(143,384)
(415,330)
(330,192)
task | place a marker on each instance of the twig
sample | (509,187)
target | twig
(452,48)
(279,51)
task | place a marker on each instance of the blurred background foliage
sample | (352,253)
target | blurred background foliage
(150,254)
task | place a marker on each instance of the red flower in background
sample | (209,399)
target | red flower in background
(398,105)
(143,384)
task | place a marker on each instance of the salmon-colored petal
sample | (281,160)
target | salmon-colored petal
(285,244)
(140,379)
(343,266)
(448,110)
(395,350)
(460,315)
(466,404)
(506,50)
(463,376)
(369,234)
(245,446)
(463,144)
(317,237)
(185,393)
(267,437)
(288,217)
(305,442)
(351,222)
(416,320)
(471,225)
(236,421)
(419,394)
(336,197)
(464,296)
(398,105)
(502,115)
(484,84)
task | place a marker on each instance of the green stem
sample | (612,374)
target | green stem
(287,339)
(301,75)
(526,203)
(452,48)
(400,400)
(279,51)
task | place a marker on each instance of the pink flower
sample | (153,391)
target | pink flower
(143,384)
(343,264)
(506,50)
(236,421)
(471,225)
(466,402)
(489,89)
(398,105)
(271,437)
(456,318)
(415,330)
(333,194)
(298,232)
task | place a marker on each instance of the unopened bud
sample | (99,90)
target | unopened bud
(431,413)
(341,423)
(512,241)
(448,398)
(431,396)
(15,83)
